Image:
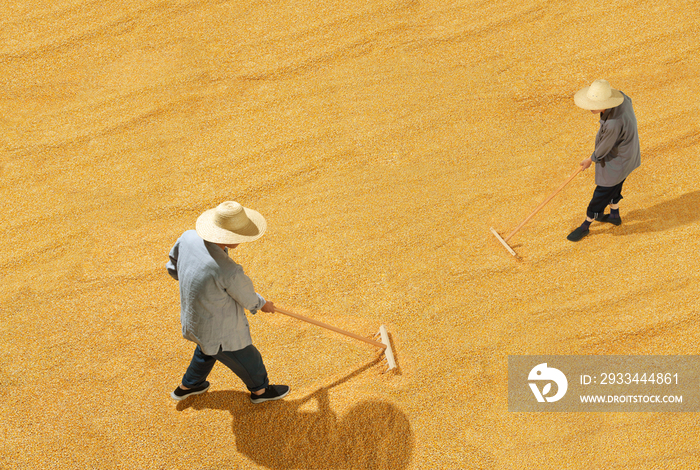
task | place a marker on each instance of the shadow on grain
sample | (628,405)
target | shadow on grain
(373,434)
(665,215)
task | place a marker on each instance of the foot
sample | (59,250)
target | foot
(610,219)
(577,234)
(272,392)
(180,393)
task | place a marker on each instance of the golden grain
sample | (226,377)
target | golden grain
(380,140)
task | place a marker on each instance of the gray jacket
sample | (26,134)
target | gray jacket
(616,151)
(214,290)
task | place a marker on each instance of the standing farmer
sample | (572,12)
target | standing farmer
(214,290)
(616,151)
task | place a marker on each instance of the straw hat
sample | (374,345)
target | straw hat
(230,223)
(598,96)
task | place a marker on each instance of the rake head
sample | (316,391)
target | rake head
(503,242)
(383,336)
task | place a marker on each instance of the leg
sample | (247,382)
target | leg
(615,198)
(617,195)
(248,365)
(601,198)
(198,370)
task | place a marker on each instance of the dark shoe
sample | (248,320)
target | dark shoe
(577,234)
(272,392)
(181,394)
(610,220)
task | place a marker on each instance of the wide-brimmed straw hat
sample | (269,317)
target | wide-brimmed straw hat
(598,96)
(230,223)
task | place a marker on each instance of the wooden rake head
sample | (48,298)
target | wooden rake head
(383,336)
(503,242)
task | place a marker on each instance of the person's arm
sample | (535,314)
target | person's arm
(171,266)
(586,163)
(610,133)
(240,288)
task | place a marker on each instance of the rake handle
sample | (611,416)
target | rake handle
(330,327)
(542,204)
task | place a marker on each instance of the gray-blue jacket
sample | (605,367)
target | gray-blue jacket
(214,291)
(616,151)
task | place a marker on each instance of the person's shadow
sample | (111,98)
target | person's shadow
(683,210)
(373,434)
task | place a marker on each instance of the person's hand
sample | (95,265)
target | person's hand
(586,163)
(269,307)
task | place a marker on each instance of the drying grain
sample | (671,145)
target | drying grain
(381,140)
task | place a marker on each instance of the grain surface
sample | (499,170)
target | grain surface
(380,140)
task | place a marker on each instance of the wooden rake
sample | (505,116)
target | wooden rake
(504,241)
(383,335)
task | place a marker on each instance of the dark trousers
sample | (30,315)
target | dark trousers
(602,197)
(246,363)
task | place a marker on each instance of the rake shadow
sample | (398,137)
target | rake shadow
(373,434)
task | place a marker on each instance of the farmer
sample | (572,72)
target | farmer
(616,151)
(213,293)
